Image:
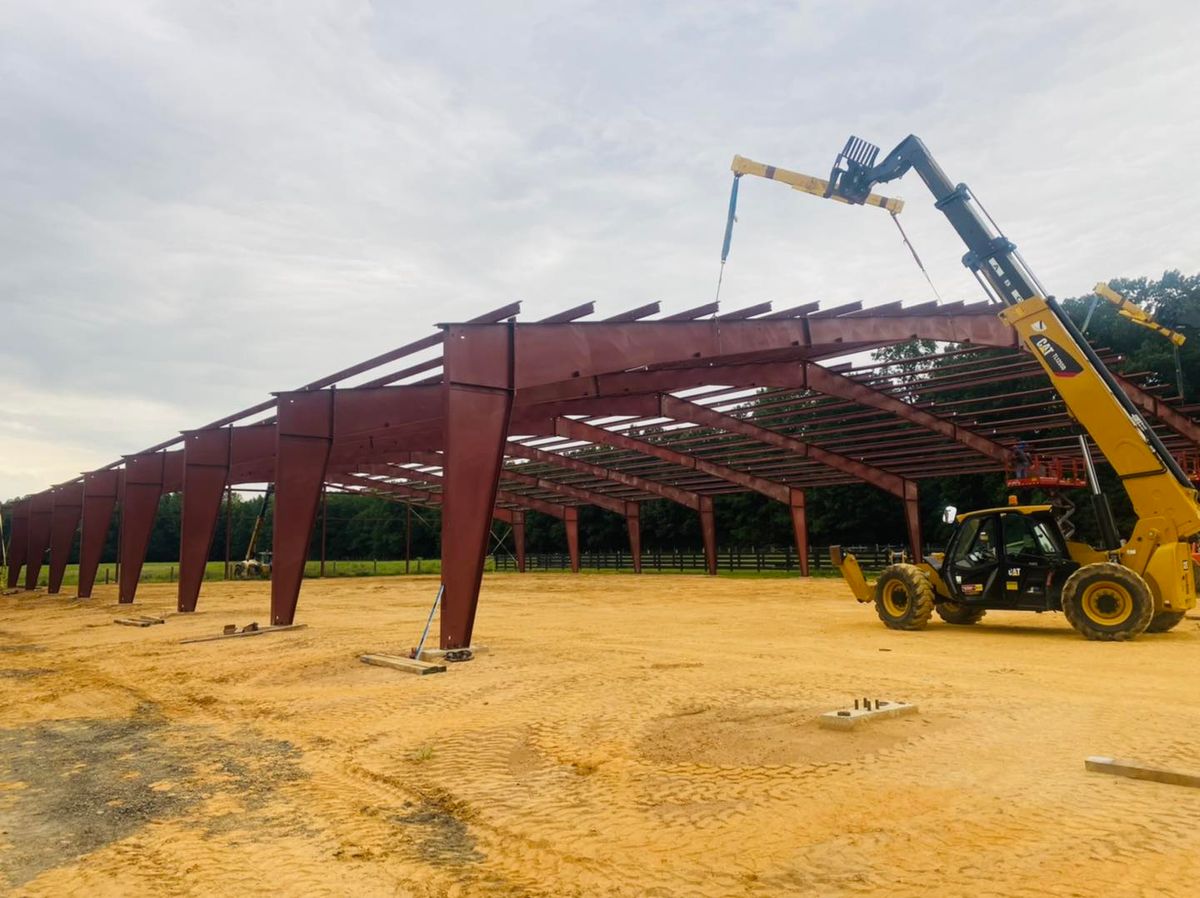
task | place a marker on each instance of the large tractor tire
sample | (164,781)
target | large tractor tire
(958,613)
(904,597)
(1164,621)
(1107,602)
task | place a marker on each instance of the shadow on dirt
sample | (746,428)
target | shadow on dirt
(73,786)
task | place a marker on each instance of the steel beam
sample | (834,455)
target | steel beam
(684,410)
(799,529)
(64,522)
(633,524)
(478,400)
(708,533)
(1156,408)
(100,492)
(206,455)
(143,488)
(304,435)
(571,521)
(18,542)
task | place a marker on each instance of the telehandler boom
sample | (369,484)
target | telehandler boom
(1016,557)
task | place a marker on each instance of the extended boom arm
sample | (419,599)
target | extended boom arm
(1159,489)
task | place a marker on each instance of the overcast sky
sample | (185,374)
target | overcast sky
(202,202)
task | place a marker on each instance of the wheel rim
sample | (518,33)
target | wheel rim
(1108,604)
(895,599)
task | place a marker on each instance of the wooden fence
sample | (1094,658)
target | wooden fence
(872,558)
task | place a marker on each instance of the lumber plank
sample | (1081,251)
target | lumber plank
(242,633)
(1139,771)
(399,662)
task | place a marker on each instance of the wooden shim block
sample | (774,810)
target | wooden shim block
(399,662)
(1139,771)
(237,635)
(138,621)
(849,719)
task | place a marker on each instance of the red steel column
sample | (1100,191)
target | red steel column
(304,436)
(206,456)
(912,515)
(41,509)
(100,490)
(571,520)
(64,521)
(799,528)
(518,529)
(139,506)
(18,542)
(478,372)
(708,530)
(633,521)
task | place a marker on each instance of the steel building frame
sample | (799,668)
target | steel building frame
(546,416)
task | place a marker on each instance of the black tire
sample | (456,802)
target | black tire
(904,597)
(1107,602)
(956,613)
(1164,621)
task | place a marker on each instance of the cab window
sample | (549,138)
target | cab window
(976,543)
(1028,537)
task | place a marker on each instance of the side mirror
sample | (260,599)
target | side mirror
(949,513)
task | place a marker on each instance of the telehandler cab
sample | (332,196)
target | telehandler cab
(1016,557)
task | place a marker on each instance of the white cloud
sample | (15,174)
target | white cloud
(202,202)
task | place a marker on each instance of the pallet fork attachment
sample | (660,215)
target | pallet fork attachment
(848,567)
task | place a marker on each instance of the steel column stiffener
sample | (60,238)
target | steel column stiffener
(478,397)
(143,488)
(64,522)
(18,542)
(206,457)
(305,434)
(41,510)
(100,492)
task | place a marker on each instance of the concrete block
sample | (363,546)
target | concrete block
(850,718)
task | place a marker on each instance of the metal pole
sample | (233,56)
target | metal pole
(228,527)
(428,623)
(324,523)
(407,535)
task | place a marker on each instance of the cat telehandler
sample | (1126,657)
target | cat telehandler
(1017,557)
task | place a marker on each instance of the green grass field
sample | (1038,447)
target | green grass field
(168,572)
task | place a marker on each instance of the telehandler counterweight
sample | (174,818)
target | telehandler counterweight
(1016,556)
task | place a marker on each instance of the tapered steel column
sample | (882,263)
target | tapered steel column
(100,490)
(912,516)
(799,528)
(18,542)
(571,521)
(304,435)
(518,531)
(41,509)
(139,506)
(205,473)
(634,522)
(64,522)
(478,397)
(708,531)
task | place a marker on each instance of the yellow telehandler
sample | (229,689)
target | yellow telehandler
(1016,557)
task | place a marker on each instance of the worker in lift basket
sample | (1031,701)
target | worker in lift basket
(1021,455)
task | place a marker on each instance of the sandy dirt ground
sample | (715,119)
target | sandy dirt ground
(624,736)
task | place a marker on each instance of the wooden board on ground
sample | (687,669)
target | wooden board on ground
(139,621)
(240,633)
(1139,771)
(399,662)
